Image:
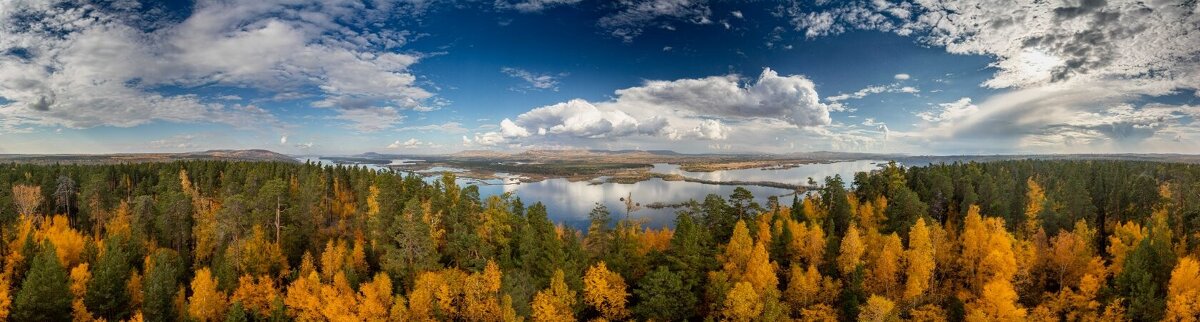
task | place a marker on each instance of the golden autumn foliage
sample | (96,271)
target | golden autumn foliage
(375,299)
(1124,238)
(257,294)
(304,298)
(258,254)
(927,313)
(654,240)
(808,242)
(997,302)
(804,286)
(1071,255)
(5,296)
(818,313)
(68,243)
(851,251)
(80,276)
(1183,292)
(878,309)
(604,291)
(884,275)
(206,303)
(1035,201)
(481,295)
(742,303)
(987,250)
(554,304)
(919,261)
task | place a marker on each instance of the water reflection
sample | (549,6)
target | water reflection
(569,202)
(796,175)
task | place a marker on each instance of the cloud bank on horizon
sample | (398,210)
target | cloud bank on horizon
(413,76)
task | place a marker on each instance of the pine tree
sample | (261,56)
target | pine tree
(45,293)
(662,295)
(107,293)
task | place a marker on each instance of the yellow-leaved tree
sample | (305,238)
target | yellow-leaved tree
(554,304)
(304,298)
(997,302)
(206,303)
(919,261)
(742,303)
(375,299)
(885,273)
(878,309)
(1035,201)
(80,276)
(1183,292)
(1124,237)
(851,251)
(257,294)
(604,291)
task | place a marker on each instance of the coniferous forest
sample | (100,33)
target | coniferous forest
(243,241)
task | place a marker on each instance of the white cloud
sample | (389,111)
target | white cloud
(448,128)
(874,89)
(532,5)
(84,65)
(1150,45)
(176,143)
(371,119)
(901,77)
(711,130)
(283,140)
(792,98)
(658,112)
(1059,119)
(534,81)
(949,111)
(634,16)
(411,143)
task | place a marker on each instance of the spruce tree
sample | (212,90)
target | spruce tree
(45,294)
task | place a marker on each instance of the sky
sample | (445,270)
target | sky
(309,77)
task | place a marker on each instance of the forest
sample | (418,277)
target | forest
(270,241)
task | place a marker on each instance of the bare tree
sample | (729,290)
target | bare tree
(63,194)
(27,198)
(630,205)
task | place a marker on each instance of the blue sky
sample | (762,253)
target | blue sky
(420,76)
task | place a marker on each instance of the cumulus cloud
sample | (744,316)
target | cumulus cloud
(709,108)
(792,99)
(634,16)
(902,77)
(81,64)
(711,130)
(533,81)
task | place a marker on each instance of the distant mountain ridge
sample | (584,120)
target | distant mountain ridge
(256,155)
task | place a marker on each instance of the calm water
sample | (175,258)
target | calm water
(569,202)
(796,175)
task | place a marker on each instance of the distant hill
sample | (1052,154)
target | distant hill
(226,155)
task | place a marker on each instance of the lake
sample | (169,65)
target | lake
(570,202)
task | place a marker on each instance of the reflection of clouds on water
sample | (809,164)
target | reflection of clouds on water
(795,175)
(569,202)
